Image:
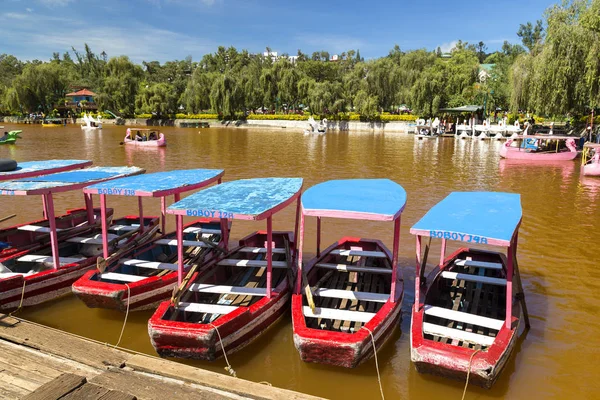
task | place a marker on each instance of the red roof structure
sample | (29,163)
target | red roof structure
(82,92)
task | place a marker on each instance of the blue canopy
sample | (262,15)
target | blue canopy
(375,199)
(157,184)
(252,199)
(64,181)
(34,168)
(474,217)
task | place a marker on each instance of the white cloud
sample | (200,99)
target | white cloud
(55,3)
(29,10)
(447,47)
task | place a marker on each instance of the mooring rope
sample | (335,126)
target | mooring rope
(20,302)
(376,362)
(469,372)
(228,368)
(126,315)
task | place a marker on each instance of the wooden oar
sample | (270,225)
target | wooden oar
(521,292)
(7,217)
(308,291)
(424,263)
(288,260)
(101,262)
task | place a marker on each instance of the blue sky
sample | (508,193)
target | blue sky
(173,29)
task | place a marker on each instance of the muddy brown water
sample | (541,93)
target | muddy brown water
(558,249)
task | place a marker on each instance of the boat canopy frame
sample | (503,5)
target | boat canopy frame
(361,199)
(245,199)
(157,184)
(477,218)
(47,185)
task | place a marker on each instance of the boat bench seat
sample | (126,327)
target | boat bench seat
(363,253)
(85,240)
(231,262)
(126,228)
(457,334)
(36,228)
(150,264)
(332,313)
(206,308)
(186,243)
(467,318)
(351,295)
(478,264)
(44,259)
(222,289)
(113,276)
(257,250)
(354,268)
(473,278)
(194,229)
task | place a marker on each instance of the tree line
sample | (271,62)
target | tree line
(555,71)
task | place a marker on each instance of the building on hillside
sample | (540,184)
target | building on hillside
(272,54)
(334,58)
(78,101)
(485,71)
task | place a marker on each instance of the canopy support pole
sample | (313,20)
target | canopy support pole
(299,258)
(509,287)
(44,207)
(141,214)
(104,226)
(521,292)
(53,236)
(443,252)
(163,213)
(269,255)
(89,207)
(318,236)
(418,274)
(225,233)
(296,223)
(179,230)
(395,247)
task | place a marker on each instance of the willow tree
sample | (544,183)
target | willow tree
(120,86)
(226,95)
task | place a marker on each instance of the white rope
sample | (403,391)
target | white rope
(126,315)
(228,368)
(376,362)
(21,302)
(469,373)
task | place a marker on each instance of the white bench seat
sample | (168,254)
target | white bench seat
(126,228)
(206,308)
(351,295)
(260,250)
(44,259)
(36,228)
(194,229)
(457,334)
(354,268)
(478,264)
(473,278)
(233,262)
(363,253)
(85,240)
(332,313)
(113,276)
(150,264)
(186,243)
(222,289)
(467,318)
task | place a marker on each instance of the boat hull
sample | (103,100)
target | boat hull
(592,169)
(515,153)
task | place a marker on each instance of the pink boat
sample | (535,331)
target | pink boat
(145,138)
(540,148)
(590,162)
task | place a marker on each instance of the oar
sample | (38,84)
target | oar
(288,260)
(521,293)
(7,217)
(425,255)
(101,262)
(210,243)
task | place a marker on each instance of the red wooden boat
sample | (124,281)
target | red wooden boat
(355,282)
(235,298)
(139,278)
(466,315)
(27,278)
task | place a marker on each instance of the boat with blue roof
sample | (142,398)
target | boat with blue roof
(347,300)
(469,307)
(140,277)
(235,298)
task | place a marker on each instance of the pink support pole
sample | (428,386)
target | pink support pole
(443,252)
(395,248)
(269,255)
(53,235)
(163,213)
(418,274)
(318,236)
(89,207)
(299,258)
(296,224)
(225,233)
(44,207)
(177,197)
(141,211)
(179,230)
(509,291)
(104,226)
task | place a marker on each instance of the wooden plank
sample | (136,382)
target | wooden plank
(351,268)
(117,395)
(193,229)
(478,264)
(362,253)
(468,318)
(208,288)
(205,308)
(84,240)
(473,278)
(88,391)
(125,228)
(232,262)
(186,243)
(456,334)
(36,228)
(352,295)
(56,388)
(114,276)
(332,313)
(43,259)
(150,264)
(276,250)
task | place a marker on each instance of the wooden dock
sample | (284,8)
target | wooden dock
(37,362)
